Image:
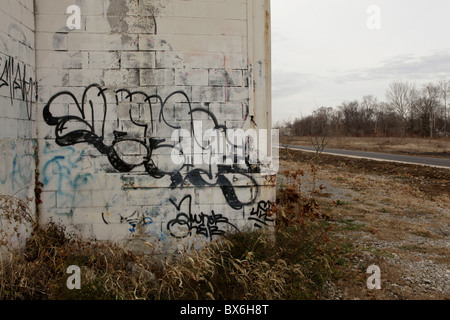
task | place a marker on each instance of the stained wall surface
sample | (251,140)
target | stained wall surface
(119,98)
(18,90)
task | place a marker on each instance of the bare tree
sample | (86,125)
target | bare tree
(429,104)
(368,113)
(444,86)
(400,94)
(384,115)
(349,111)
(320,137)
(287,133)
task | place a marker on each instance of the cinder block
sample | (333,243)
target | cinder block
(28,18)
(122,8)
(29,4)
(238,94)
(110,232)
(141,60)
(207,43)
(228,78)
(229,111)
(209,94)
(201,26)
(155,42)
(95,24)
(51,41)
(236,60)
(191,77)
(121,78)
(15,9)
(70,60)
(51,23)
(212,10)
(87,216)
(85,77)
(140,24)
(52,77)
(91,8)
(84,230)
(204,60)
(168,59)
(108,198)
(104,60)
(157,77)
(102,42)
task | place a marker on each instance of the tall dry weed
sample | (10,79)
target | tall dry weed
(291,262)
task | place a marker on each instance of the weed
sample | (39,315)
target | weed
(351,225)
(293,261)
(340,203)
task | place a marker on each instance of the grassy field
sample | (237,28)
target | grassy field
(396,216)
(413,146)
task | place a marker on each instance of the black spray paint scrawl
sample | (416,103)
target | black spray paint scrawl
(85,123)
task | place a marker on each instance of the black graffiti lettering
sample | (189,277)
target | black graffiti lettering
(14,76)
(262,214)
(187,224)
(86,124)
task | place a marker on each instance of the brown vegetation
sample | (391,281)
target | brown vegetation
(438,147)
(395,215)
(293,261)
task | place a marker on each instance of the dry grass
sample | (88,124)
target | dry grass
(294,262)
(413,146)
(396,215)
(244,266)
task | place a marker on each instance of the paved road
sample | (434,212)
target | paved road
(434,162)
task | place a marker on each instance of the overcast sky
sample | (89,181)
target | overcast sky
(324,53)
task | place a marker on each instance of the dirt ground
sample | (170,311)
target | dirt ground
(396,216)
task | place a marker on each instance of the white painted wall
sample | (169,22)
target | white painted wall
(17,113)
(112,93)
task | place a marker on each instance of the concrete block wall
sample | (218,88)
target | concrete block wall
(18,89)
(112,94)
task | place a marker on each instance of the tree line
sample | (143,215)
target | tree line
(409,110)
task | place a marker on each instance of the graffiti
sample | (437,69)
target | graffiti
(185,224)
(21,86)
(262,214)
(85,123)
(136,221)
(17,167)
(58,174)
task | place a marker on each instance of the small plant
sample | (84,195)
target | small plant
(340,203)
(319,142)
(16,221)
(351,225)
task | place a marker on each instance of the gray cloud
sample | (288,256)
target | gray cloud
(408,66)
(289,83)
